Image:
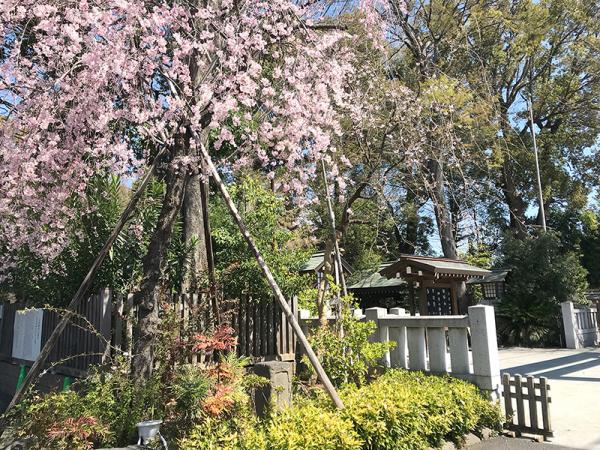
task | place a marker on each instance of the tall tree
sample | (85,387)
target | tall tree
(85,84)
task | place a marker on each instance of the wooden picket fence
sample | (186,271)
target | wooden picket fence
(103,328)
(535,392)
(264,332)
(82,343)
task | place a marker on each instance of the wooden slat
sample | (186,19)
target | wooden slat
(130,314)
(525,429)
(507,397)
(249,328)
(263,329)
(118,323)
(290,335)
(519,397)
(196,325)
(241,307)
(185,316)
(532,401)
(270,329)
(536,385)
(279,323)
(545,402)
(255,329)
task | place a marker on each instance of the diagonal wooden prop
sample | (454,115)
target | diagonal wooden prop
(271,280)
(40,361)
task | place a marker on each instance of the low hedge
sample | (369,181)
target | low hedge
(411,410)
(399,410)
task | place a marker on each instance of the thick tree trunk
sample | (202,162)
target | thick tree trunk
(442,213)
(196,264)
(516,205)
(147,299)
(408,244)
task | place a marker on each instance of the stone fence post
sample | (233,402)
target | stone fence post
(570,324)
(484,347)
(382,333)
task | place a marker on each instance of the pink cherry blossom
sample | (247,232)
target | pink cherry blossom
(90,80)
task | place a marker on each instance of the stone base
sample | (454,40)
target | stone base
(278,393)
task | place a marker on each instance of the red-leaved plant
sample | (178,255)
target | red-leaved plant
(77,433)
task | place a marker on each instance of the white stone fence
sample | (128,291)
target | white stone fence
(580,325)
(437,344)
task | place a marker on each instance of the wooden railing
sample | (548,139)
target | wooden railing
(438,344)
(534,392)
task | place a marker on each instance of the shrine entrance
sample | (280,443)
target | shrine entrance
(439,301)
(437,284)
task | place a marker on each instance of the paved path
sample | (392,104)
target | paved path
(504,443)
(574,378)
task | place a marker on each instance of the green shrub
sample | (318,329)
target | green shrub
(345,351)
(310,427)
(410,410)
(240,431)
(111,401)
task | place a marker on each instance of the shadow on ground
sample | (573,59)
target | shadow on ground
(561,368)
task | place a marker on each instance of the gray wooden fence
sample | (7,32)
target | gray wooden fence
(535,419)
(103,327)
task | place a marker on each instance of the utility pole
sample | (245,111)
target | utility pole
(537,165)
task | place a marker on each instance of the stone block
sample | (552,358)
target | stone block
(278,393)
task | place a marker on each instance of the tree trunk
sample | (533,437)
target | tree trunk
(147,299)
(516,205)
(196,264)
(408,244)
(442,213)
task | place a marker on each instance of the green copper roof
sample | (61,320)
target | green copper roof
(374,280)
(316,261)
(495,276)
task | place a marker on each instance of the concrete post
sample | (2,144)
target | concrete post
(570,324)
(417,351)
(436,337)
(375,314)
(486,364)
(398,335)
(459,351)
(382,333)
(278,393)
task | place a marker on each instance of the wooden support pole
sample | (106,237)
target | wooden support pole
(40,361)
(270,279)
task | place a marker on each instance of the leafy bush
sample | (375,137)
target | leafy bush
(310,427)
(110,404)
(543,275)
(410,410)
(345,351)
